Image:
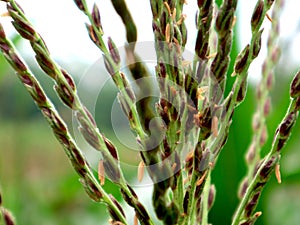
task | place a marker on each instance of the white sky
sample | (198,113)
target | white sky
(62,26)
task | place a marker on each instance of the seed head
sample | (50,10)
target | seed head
(109,67)
(96,16)
(257,15)
(257,44)
(112,169)
(113,51)
(66,96)
(243,188)
(69,79)
(18,64)
(252,204)
(242,92)
(90,137)
(241,61)
(224,21)
(24,29)
(295,86)
(268,168)
(79,4)
(112,213)
(287,124)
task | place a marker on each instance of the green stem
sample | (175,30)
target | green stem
(272,153)
(205,197)
(55,121)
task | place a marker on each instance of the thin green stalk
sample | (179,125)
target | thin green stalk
(78,161)
(263,173)
(224,27)
(66,89)
(263,93)
(242,64)
(96,34)
(205,199)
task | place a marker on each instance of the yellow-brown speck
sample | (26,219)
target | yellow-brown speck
(101,172)
(141,171)
(277,173)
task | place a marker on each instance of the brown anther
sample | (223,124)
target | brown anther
(135,220)
(277,173)
(213,55)
(197,118)
(189,156)
(187,179)
(92,34)
(178,132)
(168,33)
(233,22)
(173,90)
(269,18)
(191,108)
(204,20)
(168,7)
(200,181)
(101,172)
(178,47)
(174,14)
(186,63)
(214,126)
(201,91)
(182,18)
(6,14)
(211,164)
(165,109)
(217,107)
(174,166)
(141,171)
(185,2)
(258,214)
(233,74)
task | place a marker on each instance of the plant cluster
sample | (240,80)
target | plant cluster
(182,133)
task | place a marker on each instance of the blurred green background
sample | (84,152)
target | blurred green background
(40,187)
